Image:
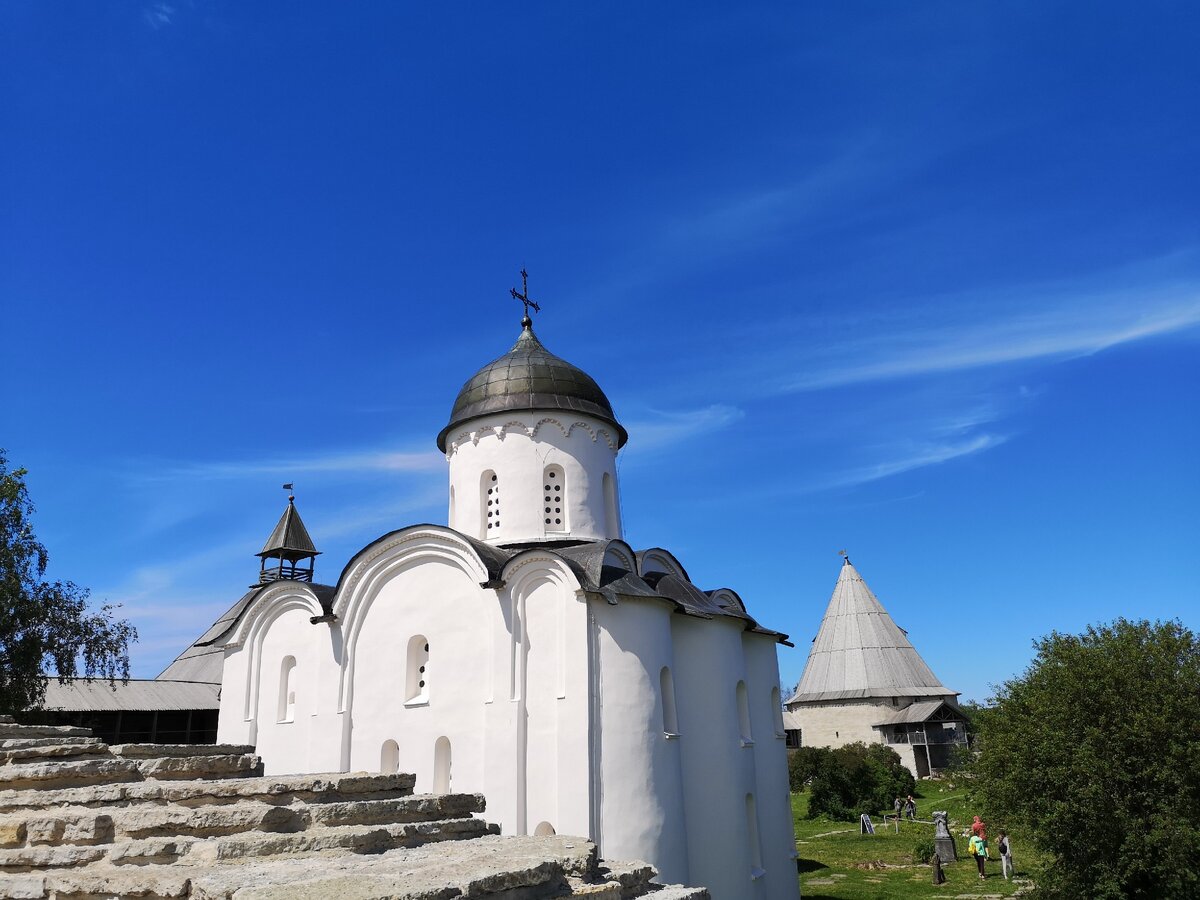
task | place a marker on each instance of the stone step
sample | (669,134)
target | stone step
(632,877)
(280,790)
(676,892)
(416,808)
(176,750)
(22,743)
(81,825)
(13,730)
(51,750)
(181,768)
(345,838)
(66,774)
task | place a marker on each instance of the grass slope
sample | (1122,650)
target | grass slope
(835,861)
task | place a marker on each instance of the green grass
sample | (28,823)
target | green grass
(835,861)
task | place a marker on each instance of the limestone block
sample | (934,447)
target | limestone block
(191,767)
(154,884)
(48,857)
(69,826)
(206,821)
(143,751)
(67,773)
(22,887)
(12,832)
(53,750)
(400,809)
(12,730)
(157,851)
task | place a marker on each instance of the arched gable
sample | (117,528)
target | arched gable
(659,560)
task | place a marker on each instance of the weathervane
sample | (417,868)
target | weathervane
(523,296)
(844,556)
(290,488)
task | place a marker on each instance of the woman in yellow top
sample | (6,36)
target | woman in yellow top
(978,849)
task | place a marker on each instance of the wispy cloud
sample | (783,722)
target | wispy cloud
(335,462)
(158,15)
(916,457)
(663,428)
(1059,327)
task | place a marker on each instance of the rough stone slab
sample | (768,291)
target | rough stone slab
(678,892)
(206,821)
(632,877)
(142,751)
(67,773)
(13,730)
(49,750)
(12,833)
(421,807)
(48,857)
(282,789)
(22,887)
(151,851)
(193,767)
(22,743)
(488,865)
(57,827)
(153,884)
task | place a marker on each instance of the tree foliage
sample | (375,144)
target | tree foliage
(857,778)
(46,626)
(1095,752)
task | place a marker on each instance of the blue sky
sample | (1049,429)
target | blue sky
(921,281)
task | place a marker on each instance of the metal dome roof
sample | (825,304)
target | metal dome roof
(529,377)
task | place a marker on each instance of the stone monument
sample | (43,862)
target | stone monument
(943,842)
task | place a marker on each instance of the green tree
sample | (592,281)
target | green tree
(1094,752)
(46,626)
(857,778)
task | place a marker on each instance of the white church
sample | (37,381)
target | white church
(525,651)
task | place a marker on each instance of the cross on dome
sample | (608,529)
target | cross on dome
(523,296)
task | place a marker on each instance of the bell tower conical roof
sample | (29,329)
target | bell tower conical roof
(288,546)
(860,652)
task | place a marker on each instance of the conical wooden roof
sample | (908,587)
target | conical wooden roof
(290,538)
(860,652)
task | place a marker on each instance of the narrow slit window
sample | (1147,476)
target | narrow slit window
(489,505)
(756,861)
(777,709)
(743,709)
(287,690)
(416,688)
(389,758)
(441,765)
(553,493)
(667,689)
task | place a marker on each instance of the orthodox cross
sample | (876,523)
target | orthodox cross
(523,295)
(844,556)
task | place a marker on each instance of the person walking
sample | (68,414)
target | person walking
(1005,848)
(977,847)
(898,806)
(912,808)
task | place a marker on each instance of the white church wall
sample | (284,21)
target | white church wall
(717,764)
(283,699)
(419,650)
(774,807)
(517,448)
(536,722)
(640,767)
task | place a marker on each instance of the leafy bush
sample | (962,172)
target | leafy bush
(803,764)
(923,851)
(857,779)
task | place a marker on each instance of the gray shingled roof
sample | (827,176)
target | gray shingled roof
(85,694)
(860,652)
(290,538)
(529,377)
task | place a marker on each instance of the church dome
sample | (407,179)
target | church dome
(529,377)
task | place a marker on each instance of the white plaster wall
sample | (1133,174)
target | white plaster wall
(233,727)
(284,746)
(770,767)
(536,715)
(718,772)
(641,775)
(437,599)
(518,447)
